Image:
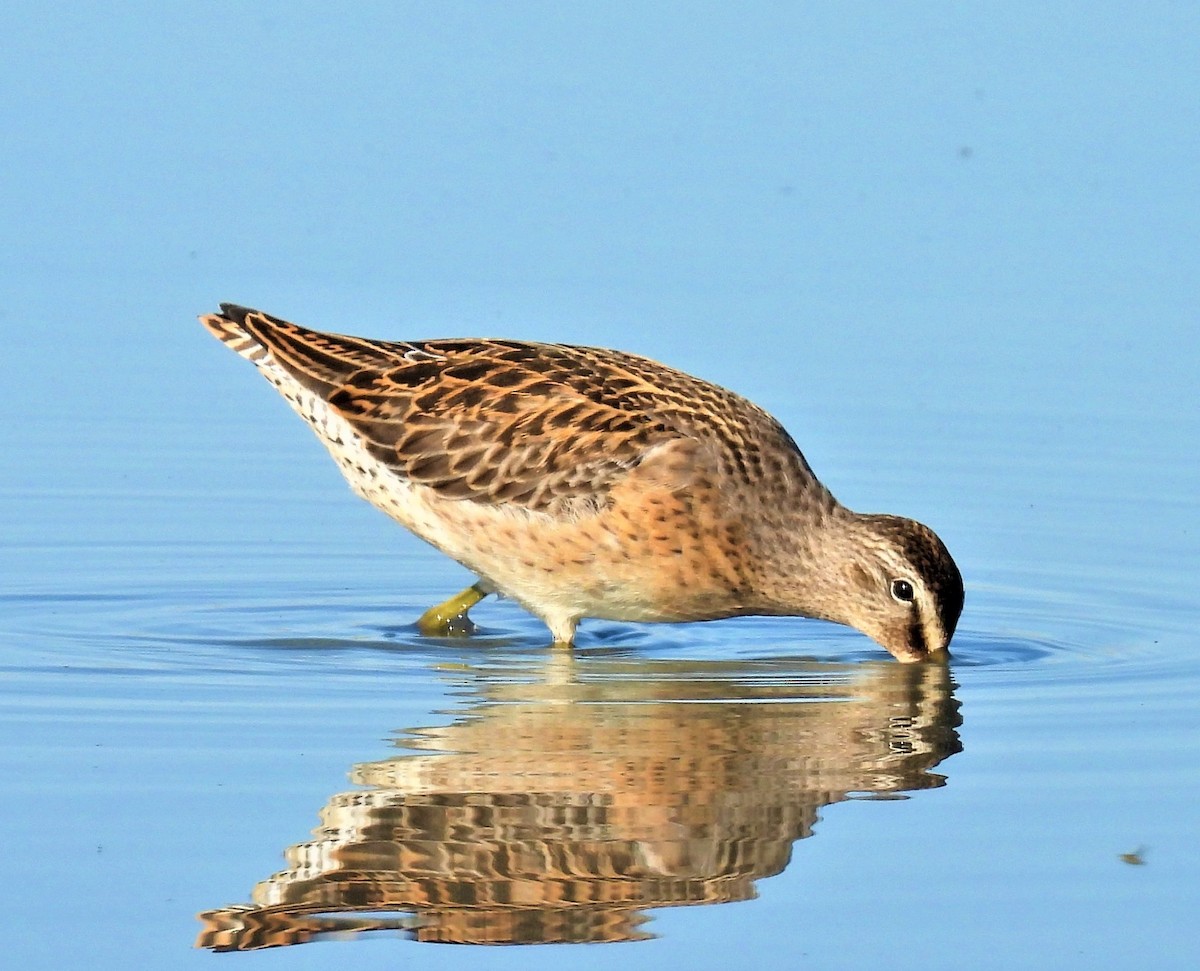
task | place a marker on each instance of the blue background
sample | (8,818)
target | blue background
(954,247)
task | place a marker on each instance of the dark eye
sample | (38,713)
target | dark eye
(902,590)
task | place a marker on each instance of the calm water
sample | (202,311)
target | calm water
(220,728)
(952,248)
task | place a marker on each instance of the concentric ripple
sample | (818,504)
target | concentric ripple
(1007,633)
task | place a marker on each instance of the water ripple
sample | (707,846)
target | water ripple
(1009,633)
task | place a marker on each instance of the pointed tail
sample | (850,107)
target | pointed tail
(229,328)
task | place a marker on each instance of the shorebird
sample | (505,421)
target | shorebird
(584,482)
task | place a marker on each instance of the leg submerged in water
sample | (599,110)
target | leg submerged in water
(450,618)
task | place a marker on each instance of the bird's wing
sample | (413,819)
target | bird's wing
(540,426)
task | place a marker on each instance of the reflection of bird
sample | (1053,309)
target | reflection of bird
(561,808)
(592,483)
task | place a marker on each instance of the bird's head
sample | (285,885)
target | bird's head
(905,591)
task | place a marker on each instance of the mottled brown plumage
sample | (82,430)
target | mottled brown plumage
(585,482)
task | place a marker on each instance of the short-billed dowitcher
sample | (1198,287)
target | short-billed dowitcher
(583,482)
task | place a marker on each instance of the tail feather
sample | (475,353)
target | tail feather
(317,360)
(227,327)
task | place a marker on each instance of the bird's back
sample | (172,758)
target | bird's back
(514,422)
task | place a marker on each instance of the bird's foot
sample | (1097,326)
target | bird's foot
(450,619)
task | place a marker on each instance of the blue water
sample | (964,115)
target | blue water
(952,250)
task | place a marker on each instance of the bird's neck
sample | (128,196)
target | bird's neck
(807,555)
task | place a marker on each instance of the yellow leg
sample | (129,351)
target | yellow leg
(451,618)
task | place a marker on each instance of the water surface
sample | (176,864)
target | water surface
(239,742)
(952,249)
